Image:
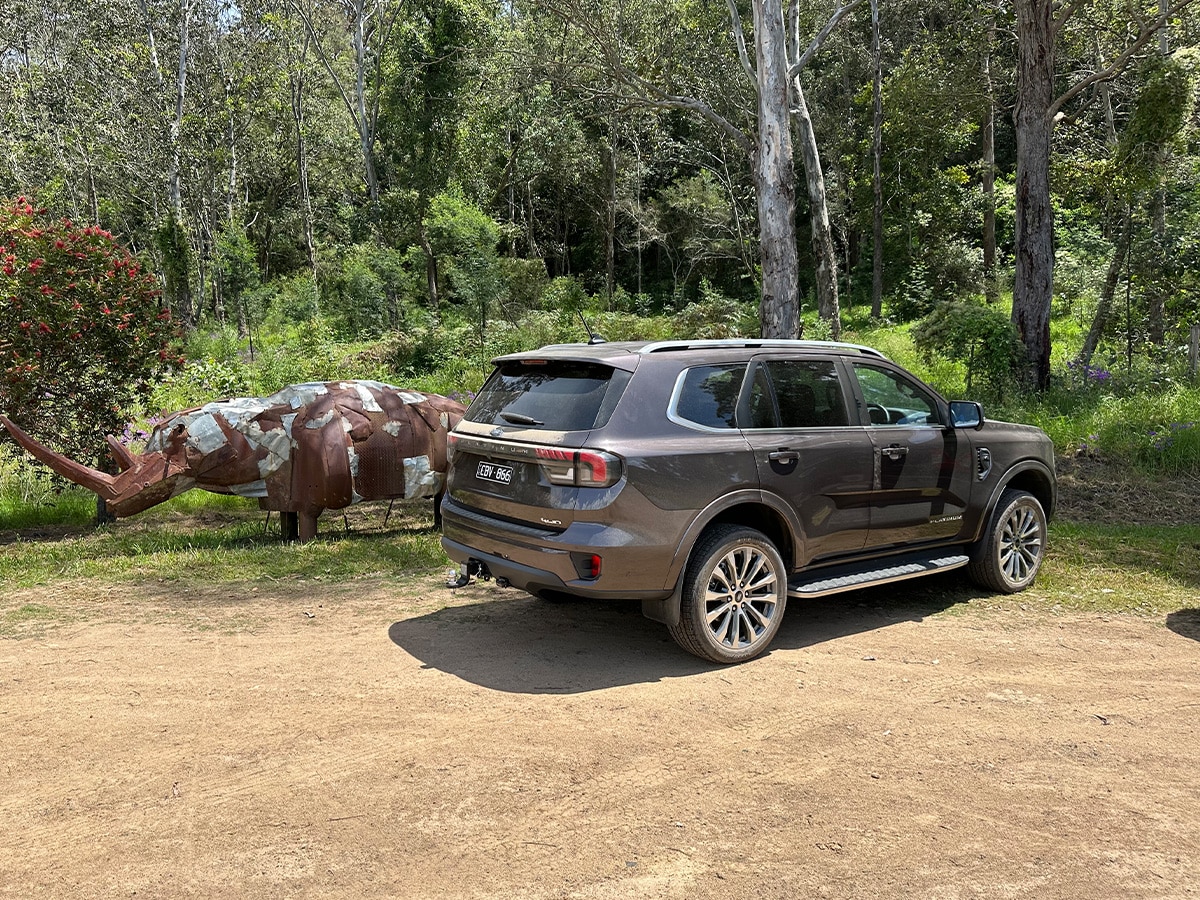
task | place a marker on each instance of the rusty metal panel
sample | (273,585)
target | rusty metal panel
(306,448)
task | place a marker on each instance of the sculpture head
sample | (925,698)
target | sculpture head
(145,480)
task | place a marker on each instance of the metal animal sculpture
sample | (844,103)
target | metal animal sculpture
(305,449)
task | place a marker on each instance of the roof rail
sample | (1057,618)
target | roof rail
(754,343)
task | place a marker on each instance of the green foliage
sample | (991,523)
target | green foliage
(982,338)
(1165,100)
(236,263)
(82,332)
(715,315)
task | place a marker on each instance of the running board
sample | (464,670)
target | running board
(836,579)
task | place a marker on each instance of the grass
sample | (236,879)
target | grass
(205,541)
(1141,569)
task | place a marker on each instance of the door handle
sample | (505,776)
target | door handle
(894,452)
(784,455)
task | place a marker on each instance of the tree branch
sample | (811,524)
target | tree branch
(1067,10)
(739,38)
(1148,31)
(815,44)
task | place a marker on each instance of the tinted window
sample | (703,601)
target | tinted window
(559,396)
(894,400)
(806,395)
(708,395)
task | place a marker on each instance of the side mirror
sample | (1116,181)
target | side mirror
(966,414)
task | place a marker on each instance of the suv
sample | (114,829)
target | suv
(718,480)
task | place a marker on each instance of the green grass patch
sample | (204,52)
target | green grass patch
(1145,570)
(181,543)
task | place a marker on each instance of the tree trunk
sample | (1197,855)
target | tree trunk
(366,129)
(296,83)
(774,177)
(1033,287)
(876,165)
(988,178)
(610,218)
(1107,293)
(822,235)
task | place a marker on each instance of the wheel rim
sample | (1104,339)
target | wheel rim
(1021,541)
(742,598)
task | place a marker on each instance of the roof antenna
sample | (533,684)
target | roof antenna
(593,338)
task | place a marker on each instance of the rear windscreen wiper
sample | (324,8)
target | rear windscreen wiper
(518,419)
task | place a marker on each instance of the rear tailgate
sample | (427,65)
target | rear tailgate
(521,452)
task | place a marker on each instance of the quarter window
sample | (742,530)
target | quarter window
(708,395)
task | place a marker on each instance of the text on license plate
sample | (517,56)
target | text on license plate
(492,472)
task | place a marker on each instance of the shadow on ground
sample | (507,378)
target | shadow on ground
(525,645)
(1185,622)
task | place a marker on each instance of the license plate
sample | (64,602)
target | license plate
(492,472)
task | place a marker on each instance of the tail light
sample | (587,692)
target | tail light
(580,468)
(587,565)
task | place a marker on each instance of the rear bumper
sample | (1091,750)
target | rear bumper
(540,563)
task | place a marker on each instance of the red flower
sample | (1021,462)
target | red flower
(36,264)
(43,328)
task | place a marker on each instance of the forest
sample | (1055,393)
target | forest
(1003,195)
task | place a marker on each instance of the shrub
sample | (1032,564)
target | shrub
(980,337)
(83,334)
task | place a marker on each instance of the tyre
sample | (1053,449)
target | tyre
(1010,552)
(734,595)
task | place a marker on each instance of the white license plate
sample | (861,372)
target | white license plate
(492,472)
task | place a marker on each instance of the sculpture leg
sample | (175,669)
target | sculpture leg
(308,525)
(289,528)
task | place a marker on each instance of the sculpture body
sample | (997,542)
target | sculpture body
(305,449)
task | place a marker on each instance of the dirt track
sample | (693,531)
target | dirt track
(313,745)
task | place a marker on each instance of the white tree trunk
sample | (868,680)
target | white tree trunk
(774,177)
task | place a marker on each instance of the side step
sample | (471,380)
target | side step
(850,577)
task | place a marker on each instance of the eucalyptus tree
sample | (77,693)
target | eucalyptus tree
(1041,103)
(642,68)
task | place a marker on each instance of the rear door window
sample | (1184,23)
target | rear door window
(551,395)
(795,393)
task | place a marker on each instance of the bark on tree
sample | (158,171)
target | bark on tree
(824,255)
(1034,282)
(1034,116)
(774,177)
(988,179)
(1107,293)
(876,165)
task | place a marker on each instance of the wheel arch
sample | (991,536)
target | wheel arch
(755,509)
(1033,476)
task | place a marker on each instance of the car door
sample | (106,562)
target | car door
(794,414)
(923,469)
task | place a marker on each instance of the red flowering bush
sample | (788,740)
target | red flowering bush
(83,333)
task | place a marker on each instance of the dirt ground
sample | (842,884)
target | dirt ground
(396,739)
(412,742)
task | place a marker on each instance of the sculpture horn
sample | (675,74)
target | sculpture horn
(93,480)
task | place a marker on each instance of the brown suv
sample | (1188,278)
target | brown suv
(717,480)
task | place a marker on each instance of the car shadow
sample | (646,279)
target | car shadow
(1185,623)
(530,646)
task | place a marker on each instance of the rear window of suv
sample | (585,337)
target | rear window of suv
(554,395)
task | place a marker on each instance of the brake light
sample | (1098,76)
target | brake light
(593,566)
(579,468)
